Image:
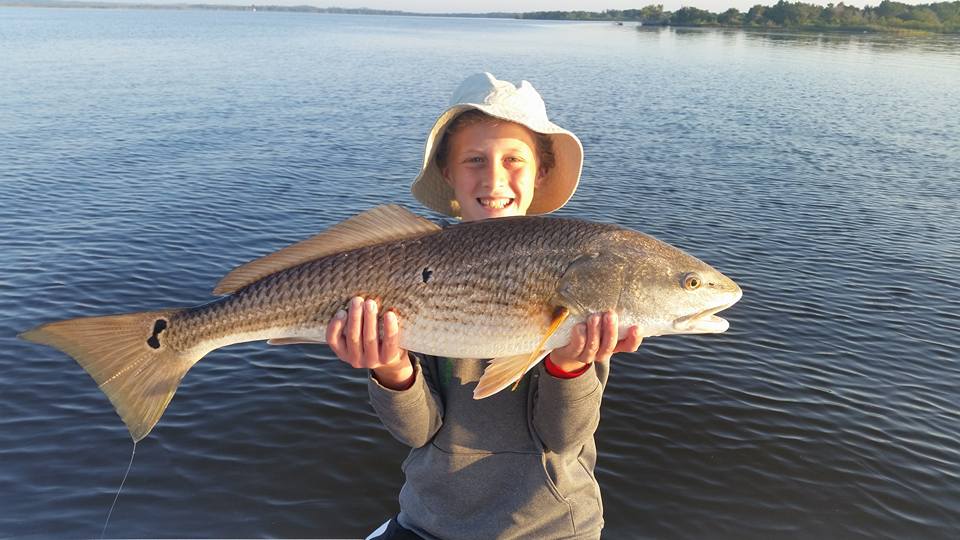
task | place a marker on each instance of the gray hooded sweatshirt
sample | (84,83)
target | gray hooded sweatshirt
(518,464)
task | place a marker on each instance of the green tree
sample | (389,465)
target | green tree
(924,17)
(756,16)
(939,17)
(653,14)
(890,9)
(793,14)
(730,17)
(949,14)
(691,16)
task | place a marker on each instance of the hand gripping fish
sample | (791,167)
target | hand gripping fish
(510,289)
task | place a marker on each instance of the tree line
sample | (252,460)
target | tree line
(888,15)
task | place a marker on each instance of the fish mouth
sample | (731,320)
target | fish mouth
(706,321)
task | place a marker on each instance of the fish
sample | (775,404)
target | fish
(508,289)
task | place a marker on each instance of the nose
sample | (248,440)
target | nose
(496,175)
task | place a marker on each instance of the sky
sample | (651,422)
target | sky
(487,6)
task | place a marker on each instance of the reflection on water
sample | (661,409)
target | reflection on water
(144,154)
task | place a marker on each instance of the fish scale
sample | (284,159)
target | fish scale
(509,289)
(494,285)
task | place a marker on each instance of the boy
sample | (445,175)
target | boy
(516,464)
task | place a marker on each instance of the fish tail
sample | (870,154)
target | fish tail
(130,358)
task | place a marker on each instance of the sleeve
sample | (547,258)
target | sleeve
(413,415)
(567,411)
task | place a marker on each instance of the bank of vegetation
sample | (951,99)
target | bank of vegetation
(887,16)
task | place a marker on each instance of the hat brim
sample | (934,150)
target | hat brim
(555,189)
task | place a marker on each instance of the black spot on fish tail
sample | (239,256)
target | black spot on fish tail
(427,272)
(158,327)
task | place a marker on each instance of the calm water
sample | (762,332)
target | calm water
(145,153)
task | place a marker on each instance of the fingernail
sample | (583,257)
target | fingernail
(340,315)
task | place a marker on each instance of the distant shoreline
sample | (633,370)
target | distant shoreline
(888,17)
(253,6)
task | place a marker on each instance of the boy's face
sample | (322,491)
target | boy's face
(493,170)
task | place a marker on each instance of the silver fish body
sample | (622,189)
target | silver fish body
(488,289)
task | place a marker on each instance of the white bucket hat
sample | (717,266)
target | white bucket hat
(522,105)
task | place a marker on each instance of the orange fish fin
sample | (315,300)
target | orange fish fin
(503,371)
(560,316)
(375,226)
(129,357)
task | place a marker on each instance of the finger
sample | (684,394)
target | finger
(571,351)
(608,337)
(593,339)
(371,334)
(352,331)
(630,343)
(608,333)
(335,337)
(390,340)
(577,340)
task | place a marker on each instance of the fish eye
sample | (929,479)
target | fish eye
(692,281)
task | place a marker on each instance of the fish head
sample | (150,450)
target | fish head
(667,291)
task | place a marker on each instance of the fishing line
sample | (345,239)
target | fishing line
(110,513)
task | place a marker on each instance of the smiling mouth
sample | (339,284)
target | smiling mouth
(492,203)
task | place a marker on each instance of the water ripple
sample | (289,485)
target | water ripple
(157,150)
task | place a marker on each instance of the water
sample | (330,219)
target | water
(145,153)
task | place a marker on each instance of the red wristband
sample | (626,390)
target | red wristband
(557,372)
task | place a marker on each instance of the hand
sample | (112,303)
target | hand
(353,335)
(595,341)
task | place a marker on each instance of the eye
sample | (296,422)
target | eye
(692,281)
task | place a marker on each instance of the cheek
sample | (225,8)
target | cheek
(527,182)
(455,178)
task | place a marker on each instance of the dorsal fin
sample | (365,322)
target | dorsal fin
(375,226)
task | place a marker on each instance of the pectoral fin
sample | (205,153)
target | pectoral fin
(501,372)
(510,369)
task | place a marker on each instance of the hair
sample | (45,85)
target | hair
(544,145)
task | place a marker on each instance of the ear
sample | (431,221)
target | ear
(541,176)
(445,172)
